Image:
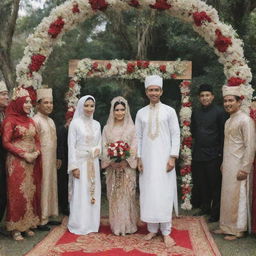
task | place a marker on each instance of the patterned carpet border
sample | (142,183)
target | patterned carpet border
(201,241)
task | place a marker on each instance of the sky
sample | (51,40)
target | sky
(35,4)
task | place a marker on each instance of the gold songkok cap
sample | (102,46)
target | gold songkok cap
(3,87)
(44,93)
(231,90)
(19,92)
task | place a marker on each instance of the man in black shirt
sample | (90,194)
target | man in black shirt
(208,133)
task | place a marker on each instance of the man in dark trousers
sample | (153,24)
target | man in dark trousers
(208,134)
(62,160)
(4,100)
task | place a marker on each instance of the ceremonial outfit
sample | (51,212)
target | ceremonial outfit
(20,137)
(207,128)
(84,137)
(158,137)
(121,183)
(48,138)
(239,150)
(253,194)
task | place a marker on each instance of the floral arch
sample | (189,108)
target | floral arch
(203,18)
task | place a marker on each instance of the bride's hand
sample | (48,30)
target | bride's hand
(115,165)
(124,164)
(76,173)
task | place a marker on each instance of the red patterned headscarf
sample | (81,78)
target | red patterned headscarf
(16,112)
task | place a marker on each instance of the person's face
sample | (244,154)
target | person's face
(45,106)
(154,93)
(206,98)
(27,105)
(89,107)
(231,105)
(119,112)
(4,99)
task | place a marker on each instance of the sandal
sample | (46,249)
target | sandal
(218,232)
(16,235)
(230,237)
(29,232)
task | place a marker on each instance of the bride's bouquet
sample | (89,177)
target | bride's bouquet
(118,151)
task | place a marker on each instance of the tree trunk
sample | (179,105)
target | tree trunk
(144,29)
(7,29)
(7,69)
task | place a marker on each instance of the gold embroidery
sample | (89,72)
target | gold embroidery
(27,187)
(153,119)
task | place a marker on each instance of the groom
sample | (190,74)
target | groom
(158,136)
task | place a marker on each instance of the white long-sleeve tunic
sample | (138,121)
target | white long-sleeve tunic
(158,188)
(84,217)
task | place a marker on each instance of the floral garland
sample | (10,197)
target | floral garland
(203,18)
(88,68)
(186,144)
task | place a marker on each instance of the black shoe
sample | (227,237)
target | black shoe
(43,228)
(54,223)
(213,219)
(4,232)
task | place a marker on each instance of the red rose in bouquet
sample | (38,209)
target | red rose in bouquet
(118,151)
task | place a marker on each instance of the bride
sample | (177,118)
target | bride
(121,177)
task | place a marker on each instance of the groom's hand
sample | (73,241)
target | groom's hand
(171,164)
(140,165)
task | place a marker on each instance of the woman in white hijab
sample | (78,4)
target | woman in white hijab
(121,177)
(84,143)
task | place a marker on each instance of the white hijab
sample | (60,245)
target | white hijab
(79,113)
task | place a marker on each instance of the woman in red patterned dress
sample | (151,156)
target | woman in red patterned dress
(21,140)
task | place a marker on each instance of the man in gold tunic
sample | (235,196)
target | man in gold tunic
(48,140)
(239,150)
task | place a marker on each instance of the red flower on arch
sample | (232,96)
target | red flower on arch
(98,5)
(130,67)
(200,17)
(222,43)
(75,8)
(235,81)
(161,5)
(134,3)
(56,27)
(37,61)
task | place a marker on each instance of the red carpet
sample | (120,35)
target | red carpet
(190,233)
